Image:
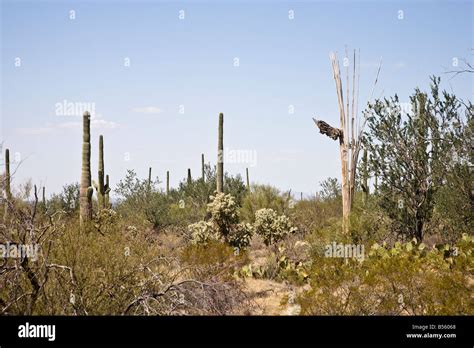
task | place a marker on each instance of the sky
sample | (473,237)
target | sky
(156,74)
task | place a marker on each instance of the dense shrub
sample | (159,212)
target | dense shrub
(223,224)
(271,226)
(263,196)
(407,279)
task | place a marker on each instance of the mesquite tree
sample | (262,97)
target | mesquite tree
(412,151)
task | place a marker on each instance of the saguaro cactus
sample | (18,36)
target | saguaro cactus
(44,197)
(106,196)
(365,176)
(86,190)
(102,188)
(202,168)
(248,180)
(8,192)
(190,179)
(220,155)
(167,183)
(149,178)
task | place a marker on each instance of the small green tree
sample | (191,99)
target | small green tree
(410,153)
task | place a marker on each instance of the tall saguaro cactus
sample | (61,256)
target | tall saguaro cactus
(167,183)
(220,155)
(86,190)
(102,187)
(149,178)
(8,192)
(190,179)
(202,168)
(248,180)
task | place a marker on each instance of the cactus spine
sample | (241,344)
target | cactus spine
(248,180)
(202,168)
(167,183)
(220,155)
(86,190)
(8,192)
(190,179)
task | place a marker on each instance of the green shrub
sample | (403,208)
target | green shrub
(271,226)
(263,196)
(407,279)
(202,232)
(223,224)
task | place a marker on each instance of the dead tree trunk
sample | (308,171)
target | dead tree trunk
(348,134)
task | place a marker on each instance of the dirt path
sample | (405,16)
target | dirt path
(271,297)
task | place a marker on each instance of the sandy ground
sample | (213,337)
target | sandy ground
(271,297)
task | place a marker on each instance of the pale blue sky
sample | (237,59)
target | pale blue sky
(190,62)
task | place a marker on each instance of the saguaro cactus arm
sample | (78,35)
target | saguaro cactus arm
(107,191)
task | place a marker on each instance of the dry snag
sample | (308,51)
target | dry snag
(349,133)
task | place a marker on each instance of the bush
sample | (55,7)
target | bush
(223,210)
(202,232)
(263,196)
(241,235)
(272,227)
(407,279)
(67,201)
(105,220)
(223,224)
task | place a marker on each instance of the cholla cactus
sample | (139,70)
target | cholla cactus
(202,232)
(105,220)
(223,210)
(222,224)
(241,235)
(131,229)
(271,226)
